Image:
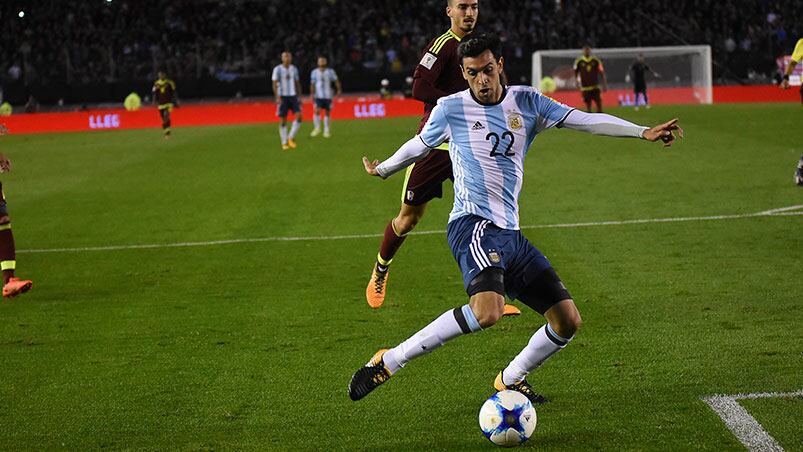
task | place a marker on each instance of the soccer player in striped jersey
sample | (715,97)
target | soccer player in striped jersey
(490,128)
(12,286)
(437,75)
(321,80)
(286,89)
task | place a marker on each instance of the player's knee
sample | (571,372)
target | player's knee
(406,222)
(490,310)
(568,324)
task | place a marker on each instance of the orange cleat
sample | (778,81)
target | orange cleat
(16,286)
(375,292)
(291,143)
(511,310)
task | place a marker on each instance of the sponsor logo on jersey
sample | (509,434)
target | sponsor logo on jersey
(428,60)
(514,121)
(478,126)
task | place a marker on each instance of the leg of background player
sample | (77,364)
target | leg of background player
(326,114)
(283,133)
(12,286)
(165,121)
(395,233)
(598,100)
(316,121)
(294,130)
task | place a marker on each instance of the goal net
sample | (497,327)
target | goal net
(684,72)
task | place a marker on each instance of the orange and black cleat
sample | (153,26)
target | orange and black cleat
(16,286)
(369,377)
(375,292)
(511,310)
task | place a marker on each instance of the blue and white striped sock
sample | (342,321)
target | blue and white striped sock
(451,324)
(544,343)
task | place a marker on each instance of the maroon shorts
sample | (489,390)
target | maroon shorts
(425,178)
(592,94)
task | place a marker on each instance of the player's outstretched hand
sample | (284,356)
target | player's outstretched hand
(370,167)
(784,84)
(5,164)
(3,129)
(664,132)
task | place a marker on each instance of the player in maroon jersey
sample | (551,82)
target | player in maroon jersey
(590,72)
(438,74)
(165,98)
(12,286)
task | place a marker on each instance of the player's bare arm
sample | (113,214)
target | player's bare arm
(664,132)
(276,90)
(3,129)
(338,88)
(370,166)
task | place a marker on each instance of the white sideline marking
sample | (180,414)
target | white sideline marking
(744,426)
(783,211)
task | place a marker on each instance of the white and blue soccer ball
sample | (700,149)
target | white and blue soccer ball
(508,418)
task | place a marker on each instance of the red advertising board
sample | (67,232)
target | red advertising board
(344,108)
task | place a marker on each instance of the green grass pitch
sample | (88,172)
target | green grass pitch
(250,345)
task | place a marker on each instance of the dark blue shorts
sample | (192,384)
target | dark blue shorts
(477,244)
(326,104)
(288,103)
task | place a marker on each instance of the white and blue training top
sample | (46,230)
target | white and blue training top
(287,77)
(323,79)
(488,143)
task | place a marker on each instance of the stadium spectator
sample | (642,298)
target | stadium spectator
(77,43)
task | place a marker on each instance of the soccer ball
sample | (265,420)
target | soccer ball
(507,418)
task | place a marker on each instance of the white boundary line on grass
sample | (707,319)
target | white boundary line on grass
(744,426)
(783,211)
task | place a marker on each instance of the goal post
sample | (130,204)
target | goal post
(684,71)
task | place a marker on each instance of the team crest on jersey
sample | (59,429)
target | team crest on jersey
(514,121)
(494,257)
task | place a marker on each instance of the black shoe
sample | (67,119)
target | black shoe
(799,173)
(369,377)
(522,387)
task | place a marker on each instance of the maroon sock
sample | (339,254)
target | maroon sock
(390,244)
(7,253)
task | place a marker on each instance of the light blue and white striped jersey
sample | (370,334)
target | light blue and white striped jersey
(287,77)
(487,147)
(323,80)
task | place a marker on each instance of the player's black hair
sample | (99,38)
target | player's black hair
(474,45)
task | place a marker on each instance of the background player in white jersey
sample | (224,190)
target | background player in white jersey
(490,128)
(286,89)
(320,87)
